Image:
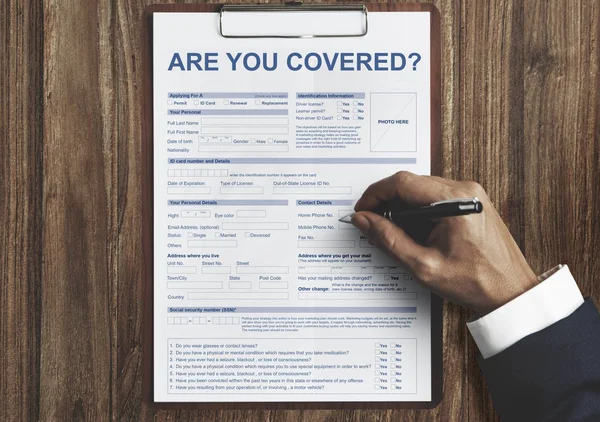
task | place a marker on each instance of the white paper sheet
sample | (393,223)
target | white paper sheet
(260,145)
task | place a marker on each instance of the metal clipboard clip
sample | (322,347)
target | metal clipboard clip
(293,7)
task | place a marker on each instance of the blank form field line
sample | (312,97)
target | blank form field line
(251,213)
(175,269)
(314,270)
(228,147)
(312,190)
(262,270)
(240,284)
(251,225)
(195,214)
(326,243)
(357,295)
(244,121)
(241,190)
(216,270)
(345,226)
(273,285)
(195,285)
(238,295)
(212,243)
(200,190)
(244,130)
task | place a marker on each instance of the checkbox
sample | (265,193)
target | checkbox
(355,117)
(257,102)
(196,102)
(339,117)
(169,102)
(355,103)
(170,320)
(386,277)
(226,102)
(340,103)
(340,110)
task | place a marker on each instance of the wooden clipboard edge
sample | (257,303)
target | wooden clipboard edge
(148,219)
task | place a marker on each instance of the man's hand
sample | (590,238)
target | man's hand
(471,260)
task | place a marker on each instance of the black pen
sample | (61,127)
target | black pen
(441,209)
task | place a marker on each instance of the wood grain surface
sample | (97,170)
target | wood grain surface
(520,113)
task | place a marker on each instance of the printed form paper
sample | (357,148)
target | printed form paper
(260,145)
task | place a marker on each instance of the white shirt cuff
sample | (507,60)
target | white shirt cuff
(555,298)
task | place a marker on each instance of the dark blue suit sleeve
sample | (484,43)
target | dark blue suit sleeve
(551,375)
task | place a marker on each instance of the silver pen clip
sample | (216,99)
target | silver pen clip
(473,200)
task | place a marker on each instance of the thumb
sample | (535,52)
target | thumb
(392,239)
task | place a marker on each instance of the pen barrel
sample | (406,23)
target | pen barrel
(437,211)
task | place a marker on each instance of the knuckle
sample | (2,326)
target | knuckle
(402,177)
(475,188)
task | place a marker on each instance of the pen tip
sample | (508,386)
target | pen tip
(347,218)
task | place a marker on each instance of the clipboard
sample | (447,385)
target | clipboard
(148,199)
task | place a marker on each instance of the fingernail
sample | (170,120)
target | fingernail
(361,223)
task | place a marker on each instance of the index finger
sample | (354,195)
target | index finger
(407,187)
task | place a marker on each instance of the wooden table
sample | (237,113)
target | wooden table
(521,115)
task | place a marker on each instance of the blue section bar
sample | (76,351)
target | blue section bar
(312,160)
(229,112)
(300,310)
(323,202)
(330,95)
(212,202)
(198,95)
